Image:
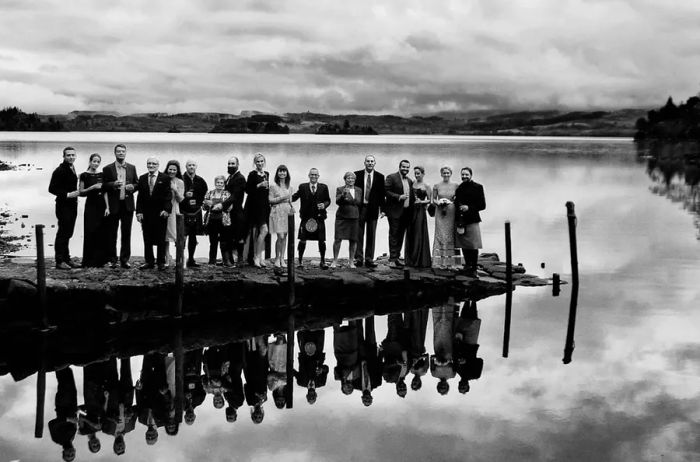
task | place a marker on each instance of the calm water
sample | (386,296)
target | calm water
(632,391)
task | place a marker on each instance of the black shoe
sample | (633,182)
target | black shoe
(370,264)
(323,265)
(72,264)
(113,264)
(192,264)
(147,266)
(161,267)
(358,262)
(126,265)
(63,266)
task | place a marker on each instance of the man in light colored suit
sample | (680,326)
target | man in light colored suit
(398,188)
(119,182)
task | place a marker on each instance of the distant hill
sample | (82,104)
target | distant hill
(671,122)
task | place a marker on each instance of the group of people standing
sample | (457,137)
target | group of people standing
(240,230)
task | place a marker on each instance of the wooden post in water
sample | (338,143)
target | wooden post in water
(179,264)
(569,345)
(290,260)
(179,353)
(290,361)
(509,292)
(556,284)
(41,276)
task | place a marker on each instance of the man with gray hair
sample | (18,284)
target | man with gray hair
(191,207)
(153,207)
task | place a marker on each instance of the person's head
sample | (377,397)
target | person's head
(279,396)
(231,414)
(172,168)
(218,400)
(446,173)
(68,453)
(404,167)
(311,395)
(232,165)
(219,182)
(466,174)
(119,446)
(120,152)
(282,176)
(416,383)
(257,414)
(463,386)
(346,387)
(313,176)
(172,428)
(443,387)
(191,167)
(401,388)
(370,162)
(152,164)
(418,172)
(190,416)
(69,155)
(94,444)
(95,160)
(151,435)
(367,398)
(349,178)
(259,161)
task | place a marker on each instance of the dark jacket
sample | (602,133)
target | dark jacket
(393,188)
(348,207)
(309,202)
(470,194)
(376,194)
(109,177)
(151,204)
(63,181)
(235,185)
(198,187)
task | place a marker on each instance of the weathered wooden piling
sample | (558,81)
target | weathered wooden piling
(290,361)
(41,276)
(556,284)
(290,260)
(571,327)
(179,264)
(509,292)
(179,353)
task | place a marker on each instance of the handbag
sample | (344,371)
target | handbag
(431,209)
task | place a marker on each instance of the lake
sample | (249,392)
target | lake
(632,391)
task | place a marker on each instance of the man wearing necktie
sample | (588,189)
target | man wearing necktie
(315,199)
(64,185)
(399,206)
(153,206)
(371,182)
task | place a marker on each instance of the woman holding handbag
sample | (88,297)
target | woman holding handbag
(217,220)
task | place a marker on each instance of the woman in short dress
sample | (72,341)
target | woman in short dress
(280,197)
(217,220)
(469,201)
(348,198)
(177,185)
(444,249)
(417,238)
(96,210)
(257,208)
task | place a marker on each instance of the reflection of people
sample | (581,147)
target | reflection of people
(153,398)
(233,382)
(120,416)
(417,239)
(315,199)
(216,364)
(257,208)
(418,360)
(399,200)
(371,183)
(64,427)
(120,181)
(469,201)
(369,374)
(444,240)
(280,197)
(466,345)
(153,206)
(194,390)
(94,229)
(348,198)
(99,384)
(394,353)
(441,363)
(312,372)
(191,207)
(277,373)
(255,372)
(346,348)
(64,185)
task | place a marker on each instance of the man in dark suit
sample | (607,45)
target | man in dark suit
(315,199)
(153,206)
(120,180)
(371,183)
(399,204)
(195,190)
(235,185)
(64,185)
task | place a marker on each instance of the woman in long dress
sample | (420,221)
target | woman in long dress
(96,210)
(417,239)
(172,169)
(280,197)
(257,208)
(444,250)
(348,198)
(469,201)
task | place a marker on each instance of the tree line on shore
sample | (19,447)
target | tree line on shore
(671,122)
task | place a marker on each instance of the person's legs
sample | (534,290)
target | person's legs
(191,244)
(126,218)
(404,222)
(301,247)
(362,220)
(214,230)
(371,236)
(336,251)
(351,254)
(322,251)
(394,245)
(112,230)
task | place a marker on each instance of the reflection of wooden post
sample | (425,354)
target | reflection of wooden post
(179,263)
(41,275)
(569,345)
(290,259)
(179,353)
(509,292)
(290,361)
(556,284)
(41,388)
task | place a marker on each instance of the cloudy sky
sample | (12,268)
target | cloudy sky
(403,57)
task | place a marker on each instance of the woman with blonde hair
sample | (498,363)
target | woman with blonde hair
(348,198)
(280,197)
(257,208)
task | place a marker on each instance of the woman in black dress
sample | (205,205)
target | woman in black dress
(257,208)
(417,239)
(95,212)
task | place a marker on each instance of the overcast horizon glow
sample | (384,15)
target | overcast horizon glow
(408,57)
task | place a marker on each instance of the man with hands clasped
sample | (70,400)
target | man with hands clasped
(153,207)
